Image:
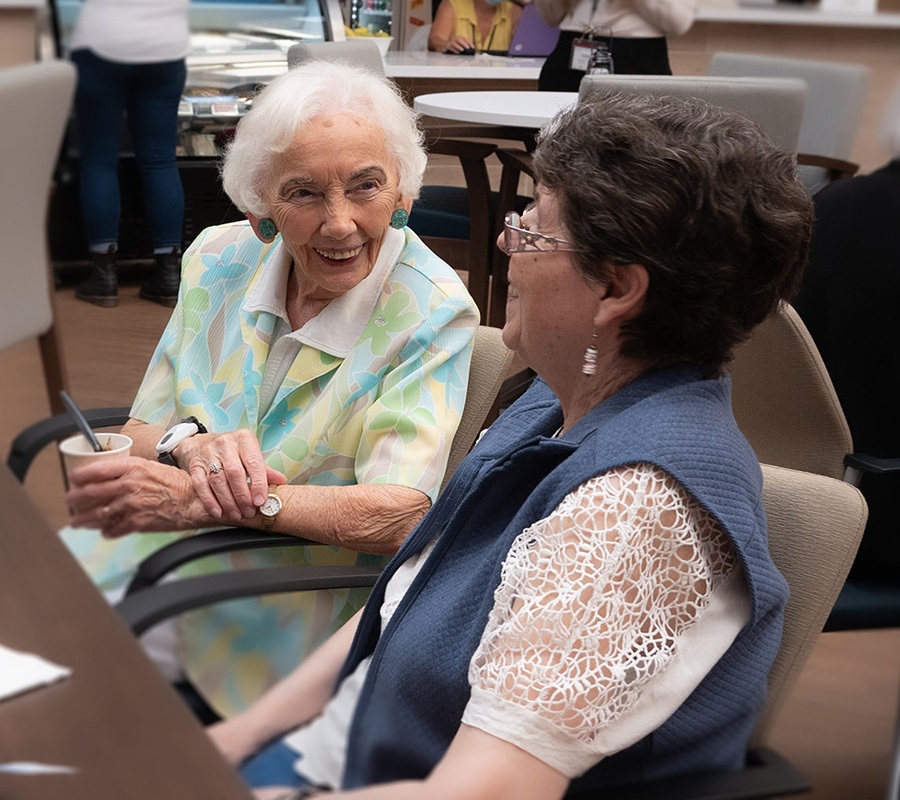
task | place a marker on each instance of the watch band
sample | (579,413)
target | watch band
(201,428)
(166,457)
(270,509)
(269,524)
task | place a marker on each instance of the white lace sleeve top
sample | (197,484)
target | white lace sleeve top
(608,614)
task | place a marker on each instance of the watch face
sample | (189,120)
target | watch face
(271,507)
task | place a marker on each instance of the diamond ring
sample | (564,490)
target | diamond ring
(214,467)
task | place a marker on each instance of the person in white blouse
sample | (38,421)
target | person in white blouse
(591,601)
(634,31)
(131,61)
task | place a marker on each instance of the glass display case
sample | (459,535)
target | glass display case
(235,47)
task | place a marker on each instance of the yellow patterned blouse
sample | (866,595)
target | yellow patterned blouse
(374,396)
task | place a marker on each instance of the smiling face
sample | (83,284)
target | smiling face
(331,197)
(550,307)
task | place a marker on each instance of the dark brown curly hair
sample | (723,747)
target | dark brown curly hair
(696,194)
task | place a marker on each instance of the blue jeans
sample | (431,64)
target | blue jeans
(272,766)
(149,95)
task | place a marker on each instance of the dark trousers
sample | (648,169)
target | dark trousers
(630,57)
(148,94)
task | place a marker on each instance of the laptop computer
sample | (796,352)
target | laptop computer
(533,37)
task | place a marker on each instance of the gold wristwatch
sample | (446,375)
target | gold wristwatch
(270,508)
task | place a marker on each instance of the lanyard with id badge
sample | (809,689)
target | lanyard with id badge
(592,52)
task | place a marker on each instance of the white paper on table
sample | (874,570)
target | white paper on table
(20,672)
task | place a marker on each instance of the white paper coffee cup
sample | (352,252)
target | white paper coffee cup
(77,450)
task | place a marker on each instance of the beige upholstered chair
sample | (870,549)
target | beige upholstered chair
(815,526)
(38,98)
(775,104)
(834,102)
(360,52)
(784,401)
(491,360)
(786,405)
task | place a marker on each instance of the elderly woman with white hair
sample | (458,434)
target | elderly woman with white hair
(310,380)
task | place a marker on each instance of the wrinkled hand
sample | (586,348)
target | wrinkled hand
(122,495)
(457,44)
(228,473)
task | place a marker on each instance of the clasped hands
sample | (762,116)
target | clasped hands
(222,479)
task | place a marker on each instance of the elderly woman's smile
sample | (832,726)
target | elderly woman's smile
(332,196)
(339,255)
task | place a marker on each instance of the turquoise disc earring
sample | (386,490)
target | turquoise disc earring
(267,228)
(399,218)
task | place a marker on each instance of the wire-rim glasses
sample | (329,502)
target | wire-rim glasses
(517,239)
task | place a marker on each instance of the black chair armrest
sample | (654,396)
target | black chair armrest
(31,441)
(515,162)
(160,563)
(766,774)
(142,610)
(872,464)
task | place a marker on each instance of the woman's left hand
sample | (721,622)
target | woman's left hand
(228,473)
(122,495)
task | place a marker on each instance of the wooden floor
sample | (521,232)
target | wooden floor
(837,725)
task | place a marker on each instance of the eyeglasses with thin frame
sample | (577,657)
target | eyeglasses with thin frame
(517,239)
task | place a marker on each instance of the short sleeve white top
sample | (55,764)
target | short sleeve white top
(133,31)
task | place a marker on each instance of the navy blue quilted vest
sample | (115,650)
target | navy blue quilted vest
(417,686)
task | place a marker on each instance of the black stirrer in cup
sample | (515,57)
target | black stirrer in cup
(80,421)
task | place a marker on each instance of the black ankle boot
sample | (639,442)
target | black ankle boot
(100,288)
(162,286)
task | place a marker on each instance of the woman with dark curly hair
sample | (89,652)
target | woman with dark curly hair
(591,602)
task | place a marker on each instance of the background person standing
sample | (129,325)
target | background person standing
(130,56)
(638,43)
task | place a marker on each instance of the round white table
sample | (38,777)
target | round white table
(517,109)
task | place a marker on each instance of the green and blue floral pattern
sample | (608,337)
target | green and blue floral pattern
(386,414)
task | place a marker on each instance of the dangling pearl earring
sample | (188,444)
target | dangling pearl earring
(589,366)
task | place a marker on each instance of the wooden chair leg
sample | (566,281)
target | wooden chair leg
(55,377)
(515,162)
(52,362)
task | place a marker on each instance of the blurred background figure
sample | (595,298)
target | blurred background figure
(130,56)
(848,301)
(637,44)
(474,25)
